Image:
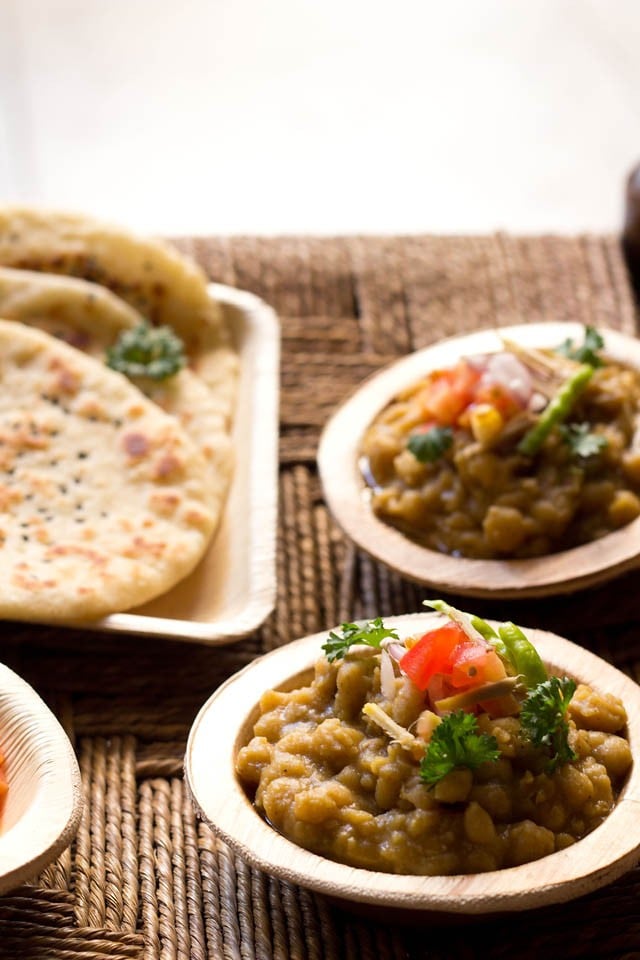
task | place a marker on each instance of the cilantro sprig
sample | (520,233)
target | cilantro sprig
(587,352)
(371,634)
(429,446)
(543,718)
(581,441)
(455,742)
(146,351)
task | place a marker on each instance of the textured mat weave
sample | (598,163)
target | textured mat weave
(144,878)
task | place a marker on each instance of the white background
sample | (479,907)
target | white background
(322,116)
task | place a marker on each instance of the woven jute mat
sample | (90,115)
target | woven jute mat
(144,878)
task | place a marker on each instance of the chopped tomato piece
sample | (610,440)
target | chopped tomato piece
(500,397)
(473,664)
(432,654)
(467,664)
(465,379)
(439,688)
(449,392)
(494,668)
(424,427)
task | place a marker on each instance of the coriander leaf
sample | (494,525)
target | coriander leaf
(146,351)
(429,446)
(587,352)
(455,742)
(581,441)
(371,634)
(543,718)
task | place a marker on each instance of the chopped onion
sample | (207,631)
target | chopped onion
(478,361)
(387,676)
(510,373)
(395,650)
(426,724)
(538,402)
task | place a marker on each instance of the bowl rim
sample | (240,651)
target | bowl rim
(347,497)
(49,823)
(599,858)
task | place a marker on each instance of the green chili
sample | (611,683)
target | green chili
(557,410)
(523,655)
(465,620)
(486,630)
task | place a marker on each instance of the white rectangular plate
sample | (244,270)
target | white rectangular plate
(232,590)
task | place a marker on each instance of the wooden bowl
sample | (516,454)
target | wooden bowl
(44,800)
(225,723)
(348,497)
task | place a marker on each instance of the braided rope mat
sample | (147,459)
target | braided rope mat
(144,879)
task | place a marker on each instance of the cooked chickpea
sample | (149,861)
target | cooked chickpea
(505,528)
(478,825)
(595,711)
(479,497)
(336,783)
(527,841)
(613,752)
(454,787)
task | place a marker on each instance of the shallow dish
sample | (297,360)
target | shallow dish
(232,590)
(44,800)
(346,494)
(225,722)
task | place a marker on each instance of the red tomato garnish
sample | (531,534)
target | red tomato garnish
(431,654)
(446,661)
(429,425)
(494,668)
(473,664)
(449,392)
(467,664)
(439,688)
(498,396)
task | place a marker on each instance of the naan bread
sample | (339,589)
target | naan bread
(85,315)
(91,318)
(104,500)
(151,276)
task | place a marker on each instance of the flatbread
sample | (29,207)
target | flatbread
(90,315)
(150,275)
(91,318)
(104,500)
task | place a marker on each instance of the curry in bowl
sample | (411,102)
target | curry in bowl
(513,454)
(447,752)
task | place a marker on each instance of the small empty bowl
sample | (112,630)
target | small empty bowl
(43,803)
